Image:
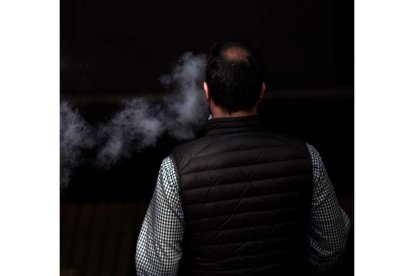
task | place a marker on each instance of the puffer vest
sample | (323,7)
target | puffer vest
(246,196)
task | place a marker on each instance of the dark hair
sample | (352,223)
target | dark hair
(234,75)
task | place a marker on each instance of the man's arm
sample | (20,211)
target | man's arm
(328,225)
(158,249)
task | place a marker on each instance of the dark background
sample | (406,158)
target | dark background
(112,51)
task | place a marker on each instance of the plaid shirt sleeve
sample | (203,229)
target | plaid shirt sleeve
(159,250)
(328,223)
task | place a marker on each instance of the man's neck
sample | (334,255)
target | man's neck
(219,113)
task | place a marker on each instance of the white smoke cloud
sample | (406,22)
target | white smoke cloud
(75,136)
(137,126)
(140,123)
(187,101)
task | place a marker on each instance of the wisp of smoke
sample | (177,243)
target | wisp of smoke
(140,123)
(137,126)
(75,136)
(187,102)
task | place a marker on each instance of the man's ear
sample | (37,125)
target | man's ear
(262,92)
(206,91)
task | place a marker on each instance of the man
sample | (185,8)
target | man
(239,200)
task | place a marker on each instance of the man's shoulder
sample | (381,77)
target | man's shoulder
(188,149)
(288,139)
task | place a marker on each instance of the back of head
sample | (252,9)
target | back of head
(234,75)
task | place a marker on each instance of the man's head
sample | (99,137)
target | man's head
(234,78)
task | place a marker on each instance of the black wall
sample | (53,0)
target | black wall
(117,50)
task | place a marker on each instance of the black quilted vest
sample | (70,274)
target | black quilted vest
(246,197)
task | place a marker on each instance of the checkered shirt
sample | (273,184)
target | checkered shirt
(159,243)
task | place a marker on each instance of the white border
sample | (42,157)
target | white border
(384,138)
(29,147)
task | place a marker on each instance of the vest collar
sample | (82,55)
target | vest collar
(228,125)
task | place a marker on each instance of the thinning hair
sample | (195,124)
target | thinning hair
(234,75)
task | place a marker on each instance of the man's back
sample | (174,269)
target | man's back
(239,200)
(246,196)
